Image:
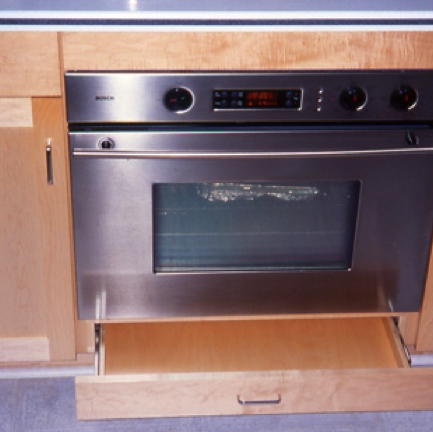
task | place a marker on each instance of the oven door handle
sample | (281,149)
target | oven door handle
(113,154)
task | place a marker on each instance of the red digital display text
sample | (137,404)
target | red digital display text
(261,98)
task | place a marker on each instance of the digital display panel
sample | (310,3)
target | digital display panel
(261,98)
(257,99)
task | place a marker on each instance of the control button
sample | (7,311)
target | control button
(320,100)
(224,103)
(289,94)
(404,98)
(217,94)
(241,94)
(179,99)
(353,99)
(225,94)
(289,103)
(236,103)
(319,108)
(235,95)
(320,91)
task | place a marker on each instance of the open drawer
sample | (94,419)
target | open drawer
(251,367)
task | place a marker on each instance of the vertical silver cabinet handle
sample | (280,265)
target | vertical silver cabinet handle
(260,402)
(48,151)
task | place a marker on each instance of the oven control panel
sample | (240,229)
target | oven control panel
(322,96)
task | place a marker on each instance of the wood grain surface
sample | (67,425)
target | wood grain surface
(55,247)
(409,328)
(24,349)
(249,346)
(29,64)
(35,250)
(22,290)
(246,50)
(16,112)
(425,330)
(216,394)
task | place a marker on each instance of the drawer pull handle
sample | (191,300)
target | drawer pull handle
(260,402)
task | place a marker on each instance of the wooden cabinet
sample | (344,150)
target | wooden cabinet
(36,307)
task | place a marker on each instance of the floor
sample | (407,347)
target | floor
(31,405)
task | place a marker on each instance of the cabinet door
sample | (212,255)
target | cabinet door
(36,298)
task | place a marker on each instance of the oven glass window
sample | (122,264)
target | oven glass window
(211,227)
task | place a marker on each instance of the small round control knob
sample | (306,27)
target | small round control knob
(179,99)
(106,143)
(353,98)
(404,98)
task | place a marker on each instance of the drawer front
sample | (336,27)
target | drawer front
(298,392)
(250,367)
(30,64)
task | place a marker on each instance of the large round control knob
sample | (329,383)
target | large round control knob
(353,98)
(178,99)
(404,98)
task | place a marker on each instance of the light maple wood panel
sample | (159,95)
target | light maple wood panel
(249,346)
(22,307)
(35,272)
(16,112)
(29,64)
(55,248)
(425,329)
(216,394)
(24,349)
(85,336)
(409,328)
(242,51)
(80,360)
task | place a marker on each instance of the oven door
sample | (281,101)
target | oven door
(250,222)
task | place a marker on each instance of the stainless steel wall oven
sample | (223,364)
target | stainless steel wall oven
(222,194)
